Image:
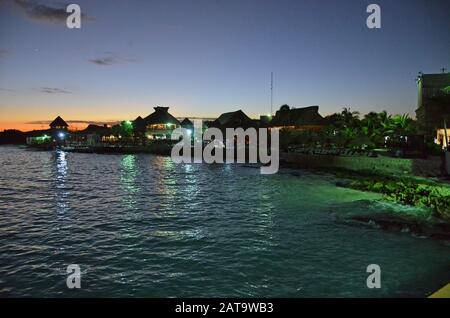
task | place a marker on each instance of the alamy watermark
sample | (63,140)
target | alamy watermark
(211,146)
(374,19)
(374,279)
(73,21)
(74,278)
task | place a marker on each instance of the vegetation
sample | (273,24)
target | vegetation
(124,129)
(348,130)
(409,192)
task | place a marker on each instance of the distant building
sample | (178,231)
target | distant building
(306,118)
(187,124)
(265,120)
(96,129)
(236,119)
(139,124)
(433,106)
(57,133)
(59,123)
(92,135)
(160,123)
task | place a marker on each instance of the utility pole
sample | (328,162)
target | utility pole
(443,70)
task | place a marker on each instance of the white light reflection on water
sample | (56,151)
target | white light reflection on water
(61,191)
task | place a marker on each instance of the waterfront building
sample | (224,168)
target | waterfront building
(265,120)
(59,124)
(139,125)
(160,124)
(236,119)
(187,124)
(433,106)
(92,135)
(306,118)
(57,133)
(442,137)
(139,130)
(39,137)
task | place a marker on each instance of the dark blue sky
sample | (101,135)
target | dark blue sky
(203,58)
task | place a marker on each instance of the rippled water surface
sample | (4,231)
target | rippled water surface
(140,225)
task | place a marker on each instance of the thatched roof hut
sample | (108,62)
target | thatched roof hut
(233,120)
(186,123)
(161,116)
(58,123)
(96,129)
(139,124)
(296,117)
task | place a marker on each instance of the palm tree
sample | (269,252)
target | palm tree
(383,116)
(349,134)
(350,119)
(400,125)
(374,126)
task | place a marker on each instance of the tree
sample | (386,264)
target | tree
(123,130)
(127,128)
(374,125)
(400,125)
(350,118)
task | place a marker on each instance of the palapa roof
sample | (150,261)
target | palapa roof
(139,123)
(297,116)
(96,129)
(58,122)
(237,118)
(161,116)
(186,123)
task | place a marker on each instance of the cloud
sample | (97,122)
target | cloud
(110,59)
(6,89)
(44,13)
(104,61)
(38,11)
(53,90)
(75,121)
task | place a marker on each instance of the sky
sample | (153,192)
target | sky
(202,58)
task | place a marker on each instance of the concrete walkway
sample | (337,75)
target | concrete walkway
(442,293)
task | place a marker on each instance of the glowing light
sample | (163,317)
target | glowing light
(61,135)
(189,132)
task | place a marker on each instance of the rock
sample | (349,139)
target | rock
(343,183)
(397,223)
